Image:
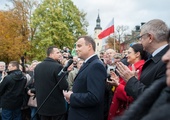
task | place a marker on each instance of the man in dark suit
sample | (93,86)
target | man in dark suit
(87,99)
(46,77)
(154,38)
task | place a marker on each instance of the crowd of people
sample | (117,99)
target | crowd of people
(133,85)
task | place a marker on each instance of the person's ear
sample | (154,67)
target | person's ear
(151,37)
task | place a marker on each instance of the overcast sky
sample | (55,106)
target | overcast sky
(124,12)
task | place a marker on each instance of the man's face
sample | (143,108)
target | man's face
(82,49)
(56,55)
(166,59)
(106,58)
(144,40)
(11,67)
(2,67)
(110,53)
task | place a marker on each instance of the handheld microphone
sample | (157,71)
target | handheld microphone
(65,67)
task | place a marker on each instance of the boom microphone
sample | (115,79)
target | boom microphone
(65,67)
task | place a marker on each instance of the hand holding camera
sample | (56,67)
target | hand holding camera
(4,73)
(31,92)
(113,79)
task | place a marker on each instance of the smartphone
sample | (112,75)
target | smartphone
(102,60)
(108,77)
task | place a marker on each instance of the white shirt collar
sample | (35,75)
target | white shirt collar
(158,50)
(89,58)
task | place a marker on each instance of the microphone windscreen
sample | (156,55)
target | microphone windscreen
(67,65)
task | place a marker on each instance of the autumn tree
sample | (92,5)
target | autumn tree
(57,22)
(15,29)
(112,42)
(13,43)
(120,33)
(24,10)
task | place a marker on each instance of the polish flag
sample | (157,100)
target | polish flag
(109,30)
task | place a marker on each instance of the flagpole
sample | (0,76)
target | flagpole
(114,42)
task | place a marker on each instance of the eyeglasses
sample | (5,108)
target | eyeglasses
(140,36)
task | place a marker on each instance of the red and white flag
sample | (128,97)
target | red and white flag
(109,30)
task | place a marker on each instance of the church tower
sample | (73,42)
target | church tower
(97,31)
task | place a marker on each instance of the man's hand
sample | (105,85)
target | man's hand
(30,93)
(114,79)
(125,72)
(3,75)
(67,95)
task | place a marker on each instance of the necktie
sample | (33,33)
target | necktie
(150,56)
(83,64)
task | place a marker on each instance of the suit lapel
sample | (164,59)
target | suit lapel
(85,65)
(154,59)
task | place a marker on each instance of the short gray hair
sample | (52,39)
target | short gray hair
(2,63)
(158,28)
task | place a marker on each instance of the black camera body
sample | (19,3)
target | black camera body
(32,90)
(109,77)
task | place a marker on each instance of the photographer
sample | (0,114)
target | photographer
(32,103)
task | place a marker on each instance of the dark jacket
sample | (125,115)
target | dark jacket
(153,70)
(0,75)
(46,77)
(12,90)
(161,113)
(87,100)
(149,103)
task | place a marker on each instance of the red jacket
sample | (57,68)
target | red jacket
(120,100)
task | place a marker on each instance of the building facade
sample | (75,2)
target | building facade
(97,31)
